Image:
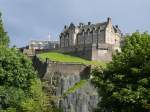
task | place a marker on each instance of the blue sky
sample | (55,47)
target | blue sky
(25,20)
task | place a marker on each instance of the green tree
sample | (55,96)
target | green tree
(124,85)
(4,39)
(20,89)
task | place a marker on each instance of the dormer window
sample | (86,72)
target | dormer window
(88,31)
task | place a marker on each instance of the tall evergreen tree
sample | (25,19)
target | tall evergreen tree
(4,39)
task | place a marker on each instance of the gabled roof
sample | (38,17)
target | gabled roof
(95,25)
(91,27)
(116,29)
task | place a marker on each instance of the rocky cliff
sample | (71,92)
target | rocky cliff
(69,82)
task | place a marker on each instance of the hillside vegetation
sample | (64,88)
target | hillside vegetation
(124,86)
(55,56)
(20,88)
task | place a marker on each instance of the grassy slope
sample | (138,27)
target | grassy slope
(55,56)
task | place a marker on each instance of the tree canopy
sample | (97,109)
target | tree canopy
(20,88)
(124,85)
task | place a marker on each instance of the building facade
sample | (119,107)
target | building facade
(92,41)
(43,45)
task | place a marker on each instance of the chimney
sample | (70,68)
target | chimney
(80,24)
(65,27)
(108,19)
(89,23)
(116,26)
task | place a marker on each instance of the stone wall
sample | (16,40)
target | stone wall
(101,52)
(91,37)
(29,52)
(62,76)
(66,68)
(39,66)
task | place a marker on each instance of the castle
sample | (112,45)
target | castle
(92,41)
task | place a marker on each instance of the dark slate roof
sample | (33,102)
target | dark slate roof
(91,27)
(117,30)
(82,27)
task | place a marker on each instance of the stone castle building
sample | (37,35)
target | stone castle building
(92,41)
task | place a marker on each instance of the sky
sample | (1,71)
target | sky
(27,20)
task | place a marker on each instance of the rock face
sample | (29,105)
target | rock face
(83,100)
(61,77)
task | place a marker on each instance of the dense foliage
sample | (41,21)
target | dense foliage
(20,88)
(124,85)
(4,39)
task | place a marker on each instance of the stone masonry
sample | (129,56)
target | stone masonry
(92,41)
(59,77)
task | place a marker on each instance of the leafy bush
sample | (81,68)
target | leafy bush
(75,87)
(20,89)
